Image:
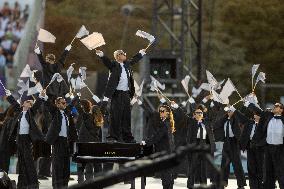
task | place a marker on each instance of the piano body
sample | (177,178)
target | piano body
(97,152)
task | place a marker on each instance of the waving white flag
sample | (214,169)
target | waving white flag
(70,71)
(157,83)
(82,32)
(45,36)
(185,83)
(227,90)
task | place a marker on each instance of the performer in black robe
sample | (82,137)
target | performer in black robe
(49,68)
(90,131)
(255,153)
(163,140)
(25,131)
(229,131)
(7,148)
(120,89)
(271,135)
(59,134)
(200,133)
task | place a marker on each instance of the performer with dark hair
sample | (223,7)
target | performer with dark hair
(59,134)
(163,140)
(229,130)
(25,131)
(271,136)
(50,67)
(120,89)
(255,153)
(90,131)
(200,133)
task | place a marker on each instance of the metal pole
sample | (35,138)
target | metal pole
(199,48)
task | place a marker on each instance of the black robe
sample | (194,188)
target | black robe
(48,70)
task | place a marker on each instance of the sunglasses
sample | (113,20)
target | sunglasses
(122,53)
(278,105)
(198,113)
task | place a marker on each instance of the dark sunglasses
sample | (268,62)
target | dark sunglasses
(200,113)
(122,54)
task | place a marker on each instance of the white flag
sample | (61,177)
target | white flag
(73,83)
(82,32)
(95,98)
(254,69)
(23,86)
(93,41)
(158,84)
(82,71)
(205,86)
(26,71)
(70,71)
(185,83)
(36,89)
(145,35)
(80,83)
(260,77)
(227,90)
(45,36)
(213,82)
(216,97)
(56,76)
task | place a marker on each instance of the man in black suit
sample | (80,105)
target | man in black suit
(59,135)
(271,135)
(255,153)
(200,133)
(25,131)
(120,89)
(229,130)
(49,67)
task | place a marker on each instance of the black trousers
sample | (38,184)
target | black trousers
(120,126)
(27,178)
(60,163)
(274,166)
(44,166)
(197,168)
(167,178)
(88,172)
(4,160)
(255,158)
(231,154)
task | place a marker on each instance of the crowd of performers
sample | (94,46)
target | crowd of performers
(46,126)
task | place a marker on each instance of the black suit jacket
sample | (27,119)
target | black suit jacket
(115,70)
(192,130)
(34,132)
(218,128)
(48,70)
(265,117)
(55,127)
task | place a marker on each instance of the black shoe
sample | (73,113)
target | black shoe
(111,140)
(70,178)
(41,177)
(242,187)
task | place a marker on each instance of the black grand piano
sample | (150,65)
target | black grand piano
(97,152)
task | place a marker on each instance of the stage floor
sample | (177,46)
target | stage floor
(151,183)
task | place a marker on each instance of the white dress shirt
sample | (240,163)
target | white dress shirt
(204,131)
(231,134)
(24,125)
(64,125)
(275,132)
(253,131)
(123,81)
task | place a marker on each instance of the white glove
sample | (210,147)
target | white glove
(139,102)
(204,100)
(45,97)
(184,103)
(133,101)
(143,143)
(68,48)
(105,98)
(163,100)
(232,108)
(37,50)
(246,104)
(79,94)
(174,105)
(142,52)
(100,53)
(191,100)
(8,92)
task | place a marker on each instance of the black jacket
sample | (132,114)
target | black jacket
(115,70)
(88,130)
(218,128)
(265,117)
(162,138)
(55,127)
(192,126)
(34,132)
(48,70)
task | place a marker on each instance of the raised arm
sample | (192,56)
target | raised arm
(106,61)
(12,100)
(135,59)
